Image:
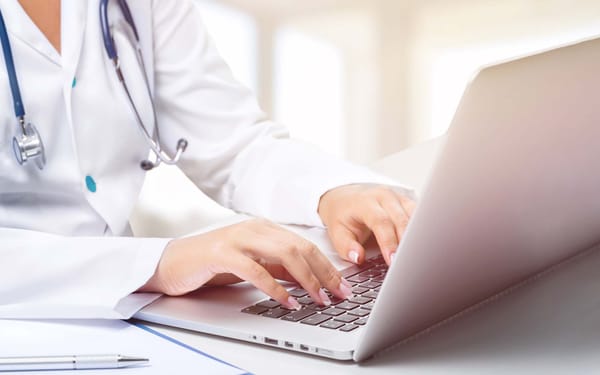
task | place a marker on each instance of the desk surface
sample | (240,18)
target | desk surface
(549,325)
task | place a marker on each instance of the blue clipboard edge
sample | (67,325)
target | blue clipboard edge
(184,345)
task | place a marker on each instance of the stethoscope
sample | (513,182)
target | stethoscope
(28,145)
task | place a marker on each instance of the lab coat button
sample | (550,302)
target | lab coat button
(90,183)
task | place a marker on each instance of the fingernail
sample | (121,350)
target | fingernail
(324,299)
(353,255)
(345,289)
(392,255)
(293,303)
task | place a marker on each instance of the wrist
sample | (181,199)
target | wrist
(157,282)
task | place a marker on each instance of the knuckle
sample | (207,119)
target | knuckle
(404,221)
(292,251)
(237,231)
(383,220)
(308,248)
(256,223)
(383,191)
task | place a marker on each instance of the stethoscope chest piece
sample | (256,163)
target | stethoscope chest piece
(29,146)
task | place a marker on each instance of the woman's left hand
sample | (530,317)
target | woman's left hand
(352,213)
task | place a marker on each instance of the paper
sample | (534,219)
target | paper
(43,338)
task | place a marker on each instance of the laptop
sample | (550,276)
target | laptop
(514,191)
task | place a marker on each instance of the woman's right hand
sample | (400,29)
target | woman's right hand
(257,251)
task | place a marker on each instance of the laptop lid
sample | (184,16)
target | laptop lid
(516,189)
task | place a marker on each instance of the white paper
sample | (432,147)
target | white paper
(44,338)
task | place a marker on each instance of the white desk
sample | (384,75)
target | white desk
(550,326)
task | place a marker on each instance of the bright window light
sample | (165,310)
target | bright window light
(235,34)
(309,89)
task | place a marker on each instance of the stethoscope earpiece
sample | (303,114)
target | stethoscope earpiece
(147,165)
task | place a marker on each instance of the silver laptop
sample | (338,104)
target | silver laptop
(515,190)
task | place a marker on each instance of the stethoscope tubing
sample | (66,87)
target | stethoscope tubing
(111,50)
(12,73)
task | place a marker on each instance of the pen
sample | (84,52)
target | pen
(69,362)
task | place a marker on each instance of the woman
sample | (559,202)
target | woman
(64,245)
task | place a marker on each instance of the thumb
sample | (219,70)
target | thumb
(346,244)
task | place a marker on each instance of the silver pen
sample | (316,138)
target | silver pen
(69,362)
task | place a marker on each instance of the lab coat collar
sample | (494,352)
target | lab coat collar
(73,23)
(22,27)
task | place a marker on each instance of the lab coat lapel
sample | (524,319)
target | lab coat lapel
(20,26)
(74,17)
(99,130)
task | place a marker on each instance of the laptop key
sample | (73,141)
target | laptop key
(353,270)
(371,284)
(368,306)
(361,300)
(371,294)
(316,319)
(315,307)
(255,310)
(346,305)
(359,312)
(370,273)
(361,321)
(333,311)
(332,324)
(298,315)
(346,318)
(305,300)
(276,313)
(349,328)
(359,290)
(269,304)
(358,279)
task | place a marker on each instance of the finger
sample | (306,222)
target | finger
(325,272)
(384,229)
(346,243)
(408,204)
(277,245)
(290,249)
(247,269)
(304,262)
(392,205)
(317,266)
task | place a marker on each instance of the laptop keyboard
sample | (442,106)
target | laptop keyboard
(343,315)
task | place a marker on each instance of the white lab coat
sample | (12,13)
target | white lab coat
(64,250)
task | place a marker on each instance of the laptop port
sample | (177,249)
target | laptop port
(271,341)
(289,344)
(304,347)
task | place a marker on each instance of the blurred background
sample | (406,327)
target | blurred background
(362,79)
